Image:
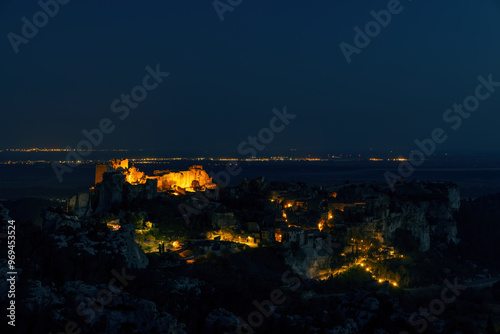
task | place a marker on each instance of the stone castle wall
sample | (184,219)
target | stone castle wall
(193,179)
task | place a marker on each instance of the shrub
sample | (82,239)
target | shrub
(211,256)
(135,219)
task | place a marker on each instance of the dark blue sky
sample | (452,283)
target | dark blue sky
(226,77)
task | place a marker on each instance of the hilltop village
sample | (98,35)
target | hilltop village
(347,224)
(187,255)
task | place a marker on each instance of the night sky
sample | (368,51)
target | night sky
(227,76)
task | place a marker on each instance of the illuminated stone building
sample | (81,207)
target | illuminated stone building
(191,180)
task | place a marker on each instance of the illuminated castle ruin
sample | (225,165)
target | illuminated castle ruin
(191,180)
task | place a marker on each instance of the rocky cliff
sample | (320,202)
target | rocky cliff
(309,261)
(72,238)
(113,190)
(81,204)
(92,309)
(426,211)
(423,212)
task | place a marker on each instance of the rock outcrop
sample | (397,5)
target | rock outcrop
(224,220)
(93,308)
(109,192)
(363,306)
(423,209)
(56,221)
(221,321)
(426,210)
(308,261)
(146,191)
(120,243)
(81,204)
(113,190)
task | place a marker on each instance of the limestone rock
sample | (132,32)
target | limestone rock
(224,220)
(221,321)
(109,191)
(145,191)
(123,242)
(81,204)
(58,220)
(349,328)
(119,311)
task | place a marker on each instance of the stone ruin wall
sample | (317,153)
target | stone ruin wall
(189,180)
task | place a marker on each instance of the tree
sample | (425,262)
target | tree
(135,219)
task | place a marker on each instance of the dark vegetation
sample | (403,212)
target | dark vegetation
(234,281)
(478,224)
